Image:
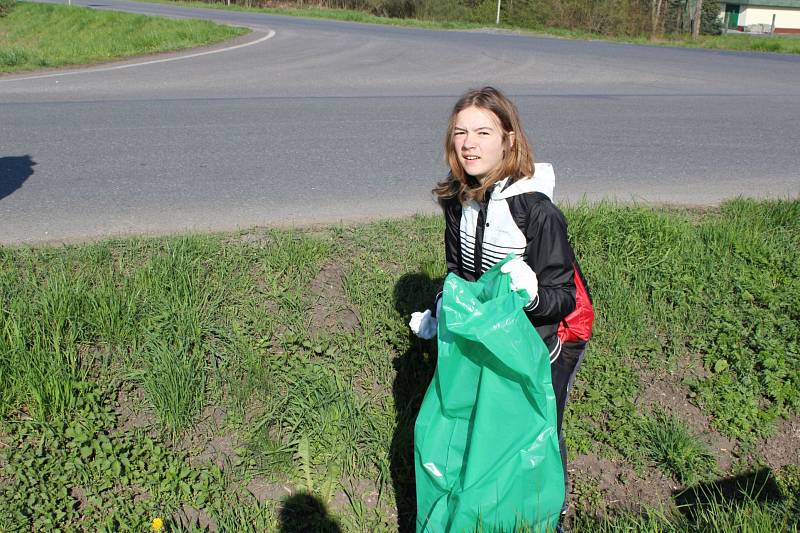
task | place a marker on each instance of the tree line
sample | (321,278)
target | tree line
(604,17)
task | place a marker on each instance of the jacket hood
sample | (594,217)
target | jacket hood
(543,181)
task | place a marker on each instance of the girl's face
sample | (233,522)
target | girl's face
(478,141)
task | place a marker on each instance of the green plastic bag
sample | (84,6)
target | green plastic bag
(485,440)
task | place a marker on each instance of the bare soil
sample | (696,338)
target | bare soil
(219,450)
(189,517)
(663,392)
(783,448)
(619,484)
(79,494)
(131,411)
(264,490)
(330,309)
(365,490)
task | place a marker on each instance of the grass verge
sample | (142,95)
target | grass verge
(192,378)
(784,44)
(34,36)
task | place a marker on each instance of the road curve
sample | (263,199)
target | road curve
(329,121)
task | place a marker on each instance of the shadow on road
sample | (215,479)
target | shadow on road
(14,171)
(414,371)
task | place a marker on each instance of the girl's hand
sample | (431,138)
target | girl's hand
(522,277)
(423,324)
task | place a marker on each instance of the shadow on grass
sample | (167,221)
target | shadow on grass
(302,513)
(749,502)
(14,171)
(759,486)
(414,371)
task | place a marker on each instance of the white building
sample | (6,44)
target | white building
(758,15)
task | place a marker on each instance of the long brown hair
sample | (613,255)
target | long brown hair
(517,156)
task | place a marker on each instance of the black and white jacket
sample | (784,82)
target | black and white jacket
(517,218)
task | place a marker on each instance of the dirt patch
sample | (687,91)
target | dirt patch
(132,412)
(208,442)
(368,495)
(664,393)
(330,310)
(189,517)
(364,489)
(212,420)
(140,495)
(265,236)
(263,490)
(619,485)
(220,450)
(783,448)
(79,494)
(252,238)
(5,441)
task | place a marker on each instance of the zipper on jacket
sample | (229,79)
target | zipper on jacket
(478,258)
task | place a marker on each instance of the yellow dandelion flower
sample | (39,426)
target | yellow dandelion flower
(157,524)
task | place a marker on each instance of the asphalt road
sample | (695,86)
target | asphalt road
(327,121)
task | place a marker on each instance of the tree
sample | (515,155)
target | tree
(698,10)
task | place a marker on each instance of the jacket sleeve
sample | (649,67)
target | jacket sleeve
(550,255)
(452,243)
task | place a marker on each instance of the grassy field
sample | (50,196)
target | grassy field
(266,380)
(35,36)
(754,43)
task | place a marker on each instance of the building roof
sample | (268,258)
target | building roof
(767,3)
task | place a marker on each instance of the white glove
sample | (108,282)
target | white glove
(522,277)
(423,324)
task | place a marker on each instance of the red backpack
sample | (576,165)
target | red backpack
(577,326)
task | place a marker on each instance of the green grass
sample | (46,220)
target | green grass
(37,36)
(300,339)
(722,289)
(748,516)
(681,455)
(785,44)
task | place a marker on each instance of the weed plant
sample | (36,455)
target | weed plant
(81,474)
(228,321)
(36,36)
(668,442)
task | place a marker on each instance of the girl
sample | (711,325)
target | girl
(496,201)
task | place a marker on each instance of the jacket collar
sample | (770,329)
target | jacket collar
(543,181)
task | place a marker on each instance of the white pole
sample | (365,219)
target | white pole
(497,21)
